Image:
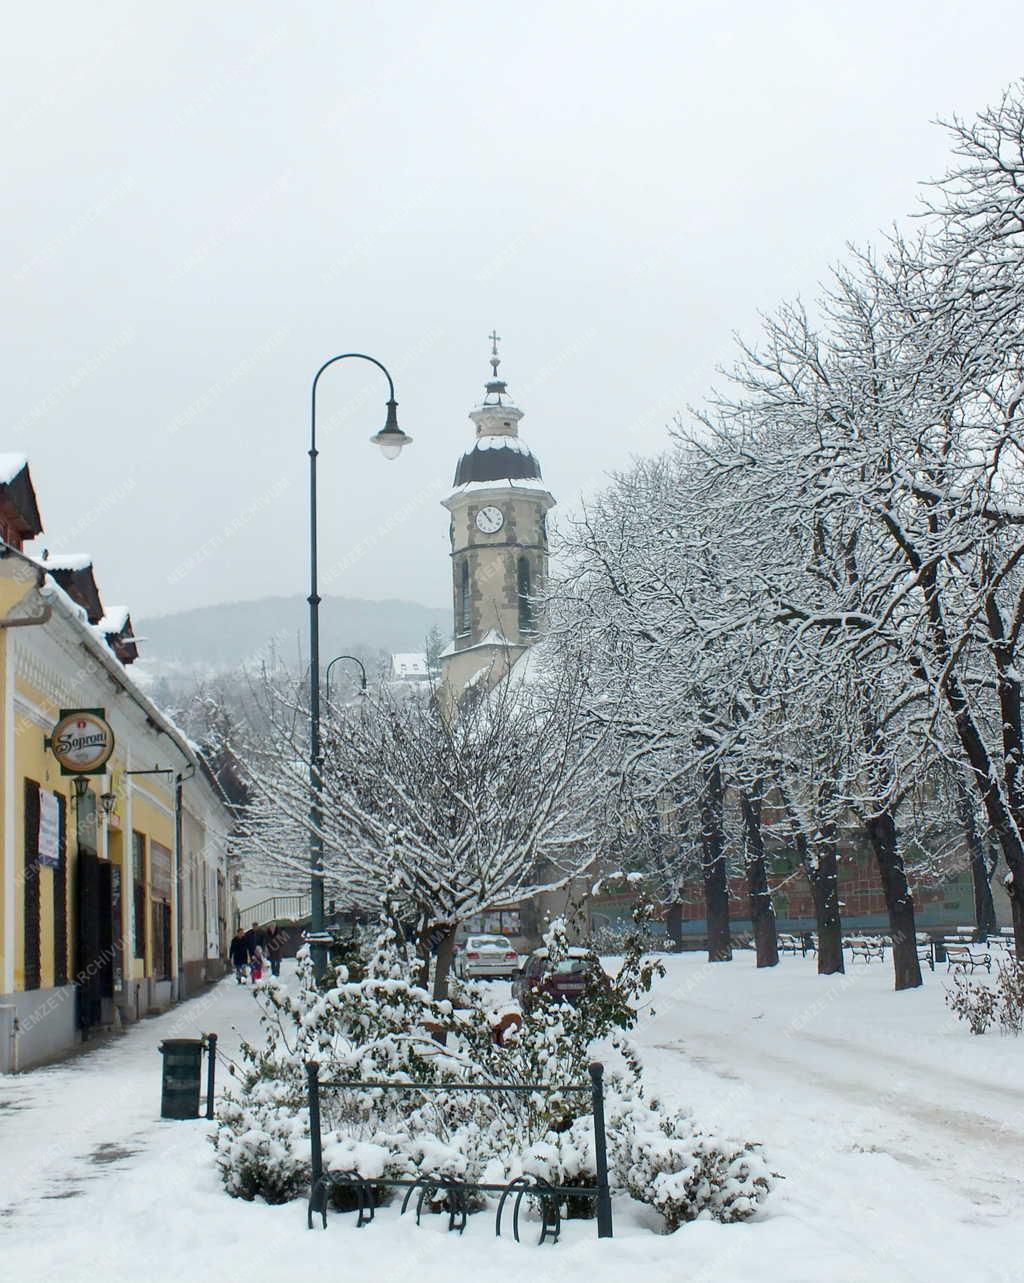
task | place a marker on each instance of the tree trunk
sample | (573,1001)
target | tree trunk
(823,875)
(762,911)
(1005,821)
(716,878)
(674,926)
(1017,909)
(422,974)
(443,965)
(881,831)
(981,871)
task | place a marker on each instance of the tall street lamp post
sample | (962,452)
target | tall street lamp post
(391,439)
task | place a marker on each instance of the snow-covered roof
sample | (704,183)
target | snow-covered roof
(65,561)
(411,664)
(114,620)
(491,638)
(10,466)
(497,458)
(502,443)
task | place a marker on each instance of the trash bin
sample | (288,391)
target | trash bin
(938,949)
(183,1060)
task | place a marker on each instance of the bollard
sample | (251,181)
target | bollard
(211,1071)
(604,1202)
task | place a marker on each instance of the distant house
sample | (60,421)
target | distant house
(410,667)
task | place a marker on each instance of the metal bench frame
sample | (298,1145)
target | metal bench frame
(866,949)
(962,956)
(549,1197)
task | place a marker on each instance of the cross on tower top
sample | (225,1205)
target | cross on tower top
(495,338)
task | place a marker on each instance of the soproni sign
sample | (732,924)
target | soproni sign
(82,741)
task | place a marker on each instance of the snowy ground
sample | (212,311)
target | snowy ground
(900,1134)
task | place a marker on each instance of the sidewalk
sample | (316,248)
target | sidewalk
(71,1123)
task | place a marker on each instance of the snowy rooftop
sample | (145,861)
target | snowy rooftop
(411,664)
(114,620)
(10,466)
(67,561)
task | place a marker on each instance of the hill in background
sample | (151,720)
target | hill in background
(213,639)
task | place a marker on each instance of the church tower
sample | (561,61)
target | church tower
(499,545)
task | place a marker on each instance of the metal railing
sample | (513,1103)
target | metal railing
(276,908)
(550,1197)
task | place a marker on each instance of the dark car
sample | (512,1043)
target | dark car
(569,978)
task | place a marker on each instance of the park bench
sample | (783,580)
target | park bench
(795,944)
(458,1193)
(867,948)
(964,957)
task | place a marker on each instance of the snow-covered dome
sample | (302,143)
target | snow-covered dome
(499,454)
(494,458)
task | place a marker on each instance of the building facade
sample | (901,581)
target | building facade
(115,889)
(499,547)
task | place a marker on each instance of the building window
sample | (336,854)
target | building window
(139,894)
(525,588)
(464,615)
(160,884)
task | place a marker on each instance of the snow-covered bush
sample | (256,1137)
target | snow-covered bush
(386,1029)
(262,1144)
(662,1158)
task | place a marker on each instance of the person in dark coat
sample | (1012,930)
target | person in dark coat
(239,954)
(273,946)
(253,937)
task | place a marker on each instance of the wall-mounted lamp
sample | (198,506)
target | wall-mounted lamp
(107,801)
(81,787)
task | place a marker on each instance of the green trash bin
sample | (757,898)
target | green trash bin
(183,1060)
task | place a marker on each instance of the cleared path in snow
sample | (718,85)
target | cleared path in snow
(833,1071)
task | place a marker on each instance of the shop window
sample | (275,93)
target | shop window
(160,917)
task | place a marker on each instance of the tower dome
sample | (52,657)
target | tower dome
(498,454)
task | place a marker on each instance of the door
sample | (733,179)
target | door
(94,941)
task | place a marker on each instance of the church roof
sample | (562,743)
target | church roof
(498,454)
(498,459)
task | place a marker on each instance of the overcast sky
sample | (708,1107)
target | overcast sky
(202,203)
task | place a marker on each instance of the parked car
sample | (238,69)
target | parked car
(568,979)
(486,957)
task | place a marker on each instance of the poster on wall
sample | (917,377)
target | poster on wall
(49,828)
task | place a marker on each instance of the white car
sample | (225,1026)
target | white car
(486,956)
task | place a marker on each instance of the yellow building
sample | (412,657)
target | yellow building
(115,893)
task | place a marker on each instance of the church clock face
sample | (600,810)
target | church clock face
(490,520)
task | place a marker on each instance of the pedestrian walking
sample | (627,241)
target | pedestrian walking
(273,947)
(256,964)
(239,955)
(253,937)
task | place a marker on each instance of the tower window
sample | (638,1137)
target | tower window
(525,588)
(464,606)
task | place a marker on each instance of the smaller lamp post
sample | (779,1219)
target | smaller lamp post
(327,675)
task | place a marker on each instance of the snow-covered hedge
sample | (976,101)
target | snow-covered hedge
(385,1028)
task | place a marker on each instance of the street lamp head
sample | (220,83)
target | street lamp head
(391,438)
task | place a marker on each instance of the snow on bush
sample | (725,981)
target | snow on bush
(981,1005)
(385,1028)
(664,1159)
